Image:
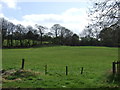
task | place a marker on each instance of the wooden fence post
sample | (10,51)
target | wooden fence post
(45,69)
(113,68)
(66,70)
(22,64)
(82,70)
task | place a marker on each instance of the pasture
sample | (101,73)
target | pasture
(96,63)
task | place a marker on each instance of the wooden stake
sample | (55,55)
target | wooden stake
(82,70)
(22,64)
(113,68)
(66,70)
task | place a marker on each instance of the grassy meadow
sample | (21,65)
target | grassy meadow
(96,63)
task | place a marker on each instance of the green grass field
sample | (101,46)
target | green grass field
(96,61)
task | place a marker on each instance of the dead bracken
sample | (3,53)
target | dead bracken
(17,75)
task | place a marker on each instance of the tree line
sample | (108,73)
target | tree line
(21,36)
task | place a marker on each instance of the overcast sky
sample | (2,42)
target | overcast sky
(68,13)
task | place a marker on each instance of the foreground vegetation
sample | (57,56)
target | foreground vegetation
(96,62)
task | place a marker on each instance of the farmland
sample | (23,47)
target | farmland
(96,63)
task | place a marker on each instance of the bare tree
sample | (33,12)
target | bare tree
(11,28)
(20,29)
(56,29)
(41,31)
(3,25)
(106,13)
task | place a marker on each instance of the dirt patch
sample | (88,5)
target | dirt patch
(17,75)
